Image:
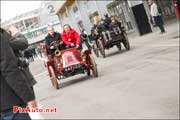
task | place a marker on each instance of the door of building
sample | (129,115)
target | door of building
(141,18)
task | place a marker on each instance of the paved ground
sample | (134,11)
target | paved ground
(141,83)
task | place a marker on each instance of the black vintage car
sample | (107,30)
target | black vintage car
(117,39)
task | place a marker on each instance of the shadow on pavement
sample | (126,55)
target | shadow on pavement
(119,52)
(64,83)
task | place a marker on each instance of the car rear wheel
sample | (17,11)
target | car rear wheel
(53,78)
(119,46)
(94,66)
(126,41)
(88,72)
(95,49)
(101,48)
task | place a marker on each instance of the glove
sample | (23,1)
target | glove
(52,47)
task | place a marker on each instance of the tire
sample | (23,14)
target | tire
(119,47)
(53,78)
(88,72)
(126,41)
(95,50)
(94,66)
(101,48)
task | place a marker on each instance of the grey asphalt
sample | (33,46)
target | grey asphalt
(142,83)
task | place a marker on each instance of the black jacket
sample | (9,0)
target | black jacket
(101,28)
(49,39)
(107,22)
(19,43)
(14,89)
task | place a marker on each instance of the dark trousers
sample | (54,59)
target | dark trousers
(87,43)
(9,115)
(161,27)
(159,22)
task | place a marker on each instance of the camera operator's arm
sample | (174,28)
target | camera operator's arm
(19,42)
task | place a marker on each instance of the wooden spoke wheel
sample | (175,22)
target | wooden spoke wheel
(94,66)
(53,78)
(101,48)
(126,41)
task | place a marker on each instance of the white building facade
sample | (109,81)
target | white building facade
(80,13)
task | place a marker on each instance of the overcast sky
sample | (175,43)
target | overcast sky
(10,9)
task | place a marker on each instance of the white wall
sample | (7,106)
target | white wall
(84,10)
(48,10)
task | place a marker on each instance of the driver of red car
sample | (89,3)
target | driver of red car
(70,37)
(52,38)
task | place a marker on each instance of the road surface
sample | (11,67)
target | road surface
(141,83)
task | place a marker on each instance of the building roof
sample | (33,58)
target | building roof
(24,16)
(62,9)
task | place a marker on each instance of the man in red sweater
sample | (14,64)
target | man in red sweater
(71,38)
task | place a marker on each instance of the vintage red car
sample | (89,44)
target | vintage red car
(70,62)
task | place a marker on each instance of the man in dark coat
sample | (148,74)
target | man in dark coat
(101,29)
(85,38)
(107,21)
(14,87)
(52,38)
(19,43)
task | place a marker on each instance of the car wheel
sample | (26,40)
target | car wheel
(119,47)
(95,50)
(126,41)
(53,78)
(88,72)
(101,48)
(94,66)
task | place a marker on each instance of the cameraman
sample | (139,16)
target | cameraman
(19,43)
(14,89)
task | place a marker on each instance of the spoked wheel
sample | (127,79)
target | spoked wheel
(89,72)
(94,66)
(126,41)
(101,48)
(119,46)
(95,50)
(54,80)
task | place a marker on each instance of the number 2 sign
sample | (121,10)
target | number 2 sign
(51,9)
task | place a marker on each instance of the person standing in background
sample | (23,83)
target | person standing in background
(156,16)
(84,37)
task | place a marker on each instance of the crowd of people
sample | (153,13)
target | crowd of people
(71,38)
